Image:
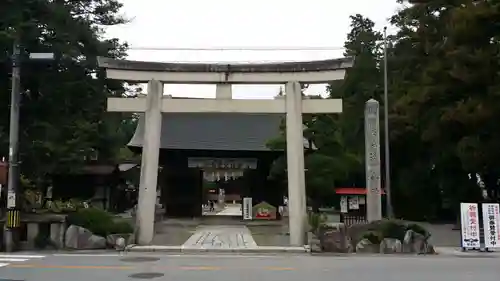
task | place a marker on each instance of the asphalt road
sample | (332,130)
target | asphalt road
(113,267)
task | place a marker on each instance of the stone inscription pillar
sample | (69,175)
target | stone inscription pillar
(295,164)
(149,164)
(372,161)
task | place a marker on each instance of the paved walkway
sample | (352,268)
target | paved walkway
(231,210)
(221,237)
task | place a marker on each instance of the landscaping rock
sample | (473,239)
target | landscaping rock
(334,238)
(365,246)
(115,240)
(417,243)
(413,242)
(77,237)
(429,250)
(356,231)
(314,243)
(390,246)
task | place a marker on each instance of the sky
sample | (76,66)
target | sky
(241,24)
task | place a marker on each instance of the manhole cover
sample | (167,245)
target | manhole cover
(140,259)
(146,275)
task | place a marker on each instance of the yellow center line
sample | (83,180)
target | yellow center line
(200,268)
(279,268)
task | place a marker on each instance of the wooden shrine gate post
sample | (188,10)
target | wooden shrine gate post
(292,74)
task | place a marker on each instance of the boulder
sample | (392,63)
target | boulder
(429,250)
(333,238)
(356,231)
(390,246)
(365,246)
(119,241)
(413,242)
(314,243)
(417,243)
(79,238)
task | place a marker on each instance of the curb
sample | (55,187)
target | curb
(194,250)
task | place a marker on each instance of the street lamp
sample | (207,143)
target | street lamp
(41,56)
(13,214)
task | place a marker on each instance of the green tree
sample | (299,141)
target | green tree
(339,139)
(362,82)
(445,101)
(63,107)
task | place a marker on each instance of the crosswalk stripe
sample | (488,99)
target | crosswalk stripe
(8,260)
(1,259)
(20,257)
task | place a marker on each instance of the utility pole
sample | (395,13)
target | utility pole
(13,213)
(388,199)
(13,176)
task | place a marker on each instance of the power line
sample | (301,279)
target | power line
(239,48)
(234,61)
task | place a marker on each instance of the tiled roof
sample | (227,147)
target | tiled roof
(214,131)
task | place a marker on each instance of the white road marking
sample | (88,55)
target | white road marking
(10,259)
(6,260)
(21,256)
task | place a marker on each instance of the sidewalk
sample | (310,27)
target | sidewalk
(456,251)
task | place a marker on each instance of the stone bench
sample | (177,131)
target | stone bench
(32,225)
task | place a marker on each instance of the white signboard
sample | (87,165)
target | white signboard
(469,217)
(354,203)
(247,208)
(343,204)
(11,200)
(491,225)
(362,200)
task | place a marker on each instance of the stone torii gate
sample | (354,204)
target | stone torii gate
(224,75)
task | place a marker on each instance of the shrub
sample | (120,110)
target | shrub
(97,221)
(120,227)
(392,229)
(418,229)
(316,220)
(372,236)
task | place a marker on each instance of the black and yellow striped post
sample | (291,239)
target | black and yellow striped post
(13,218)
